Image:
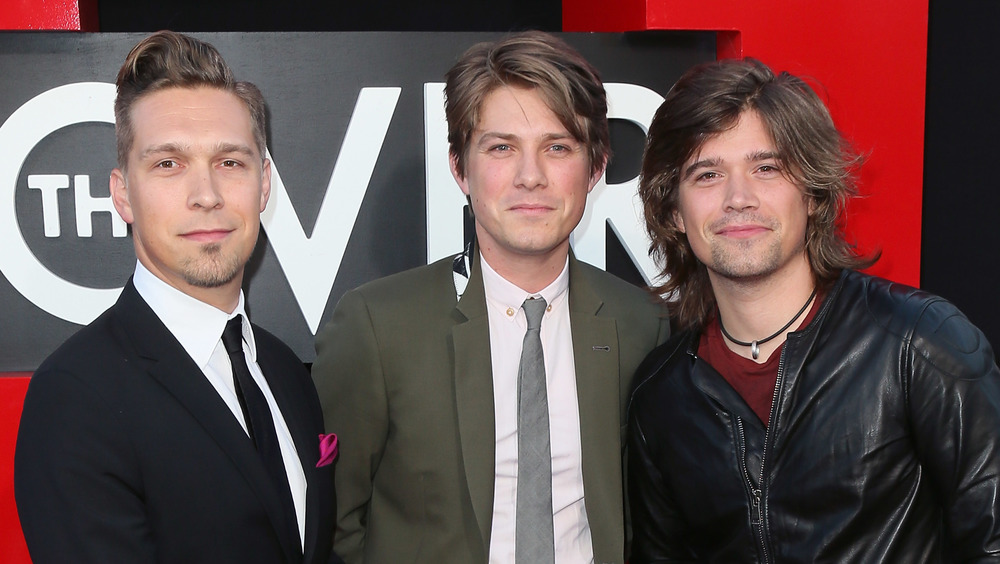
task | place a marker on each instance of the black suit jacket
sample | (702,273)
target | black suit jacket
(126,453)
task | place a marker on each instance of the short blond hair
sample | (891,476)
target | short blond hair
(167,59)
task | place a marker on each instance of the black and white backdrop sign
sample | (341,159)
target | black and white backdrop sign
(360,186)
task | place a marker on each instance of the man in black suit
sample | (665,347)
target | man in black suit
(170,429)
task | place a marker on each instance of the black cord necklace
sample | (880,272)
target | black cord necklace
(754,345)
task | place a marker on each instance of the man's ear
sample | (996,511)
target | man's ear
(265,184)
(120,196)
(596,176)
(459,177)
(679,221)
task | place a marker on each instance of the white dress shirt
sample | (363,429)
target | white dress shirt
(198,327)
(507,328)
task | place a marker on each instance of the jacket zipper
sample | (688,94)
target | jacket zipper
(772,420)
(755,492)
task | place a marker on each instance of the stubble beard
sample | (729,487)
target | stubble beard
(746,260)
(212,268)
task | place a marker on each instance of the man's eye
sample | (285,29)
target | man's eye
(230,163)
(768,168)
(166,164)
(500,148)
(706,176)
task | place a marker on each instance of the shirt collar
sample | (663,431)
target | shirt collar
(196,325)
(507,295)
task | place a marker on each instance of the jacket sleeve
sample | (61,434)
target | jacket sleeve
(349,379)
(657,528)
(954,405)
(78,491)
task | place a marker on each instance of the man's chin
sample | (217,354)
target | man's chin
(744,272)
(213,273)
(209,282)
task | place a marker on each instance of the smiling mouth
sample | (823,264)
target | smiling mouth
(742,231)
(207,235)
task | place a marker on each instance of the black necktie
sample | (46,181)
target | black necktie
(256,413)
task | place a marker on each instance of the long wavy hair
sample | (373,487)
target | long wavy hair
(708,100)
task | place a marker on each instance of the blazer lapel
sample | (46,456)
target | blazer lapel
(168,363)
(596,357)
(474,398)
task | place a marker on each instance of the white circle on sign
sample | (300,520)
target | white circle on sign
(54,109)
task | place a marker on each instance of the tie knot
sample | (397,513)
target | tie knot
(534,309)
(232,337)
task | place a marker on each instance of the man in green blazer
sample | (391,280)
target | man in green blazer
(480,400)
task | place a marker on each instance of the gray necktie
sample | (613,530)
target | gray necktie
(534,540)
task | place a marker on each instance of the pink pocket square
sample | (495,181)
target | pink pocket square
(327,449)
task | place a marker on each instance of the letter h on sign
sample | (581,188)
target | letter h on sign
(86,204)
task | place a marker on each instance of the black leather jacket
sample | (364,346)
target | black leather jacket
(884,442)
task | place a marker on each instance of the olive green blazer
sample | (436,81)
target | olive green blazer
(404,376)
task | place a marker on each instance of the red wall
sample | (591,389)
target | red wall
(72,15)
(12,388)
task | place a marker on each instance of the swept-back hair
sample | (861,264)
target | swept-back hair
(708,100)
(167,59)
(570,86)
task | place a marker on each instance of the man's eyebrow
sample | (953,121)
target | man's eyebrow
(703,163)
(236,148)
(222,147)
(558,136)
(162,148)
(490,135)
(762,155)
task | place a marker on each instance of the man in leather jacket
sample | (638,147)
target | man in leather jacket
(806,412)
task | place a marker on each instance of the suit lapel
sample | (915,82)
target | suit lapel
(596,357)
(170,365)
(474,398)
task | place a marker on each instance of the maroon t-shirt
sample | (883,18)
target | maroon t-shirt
(754,382)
